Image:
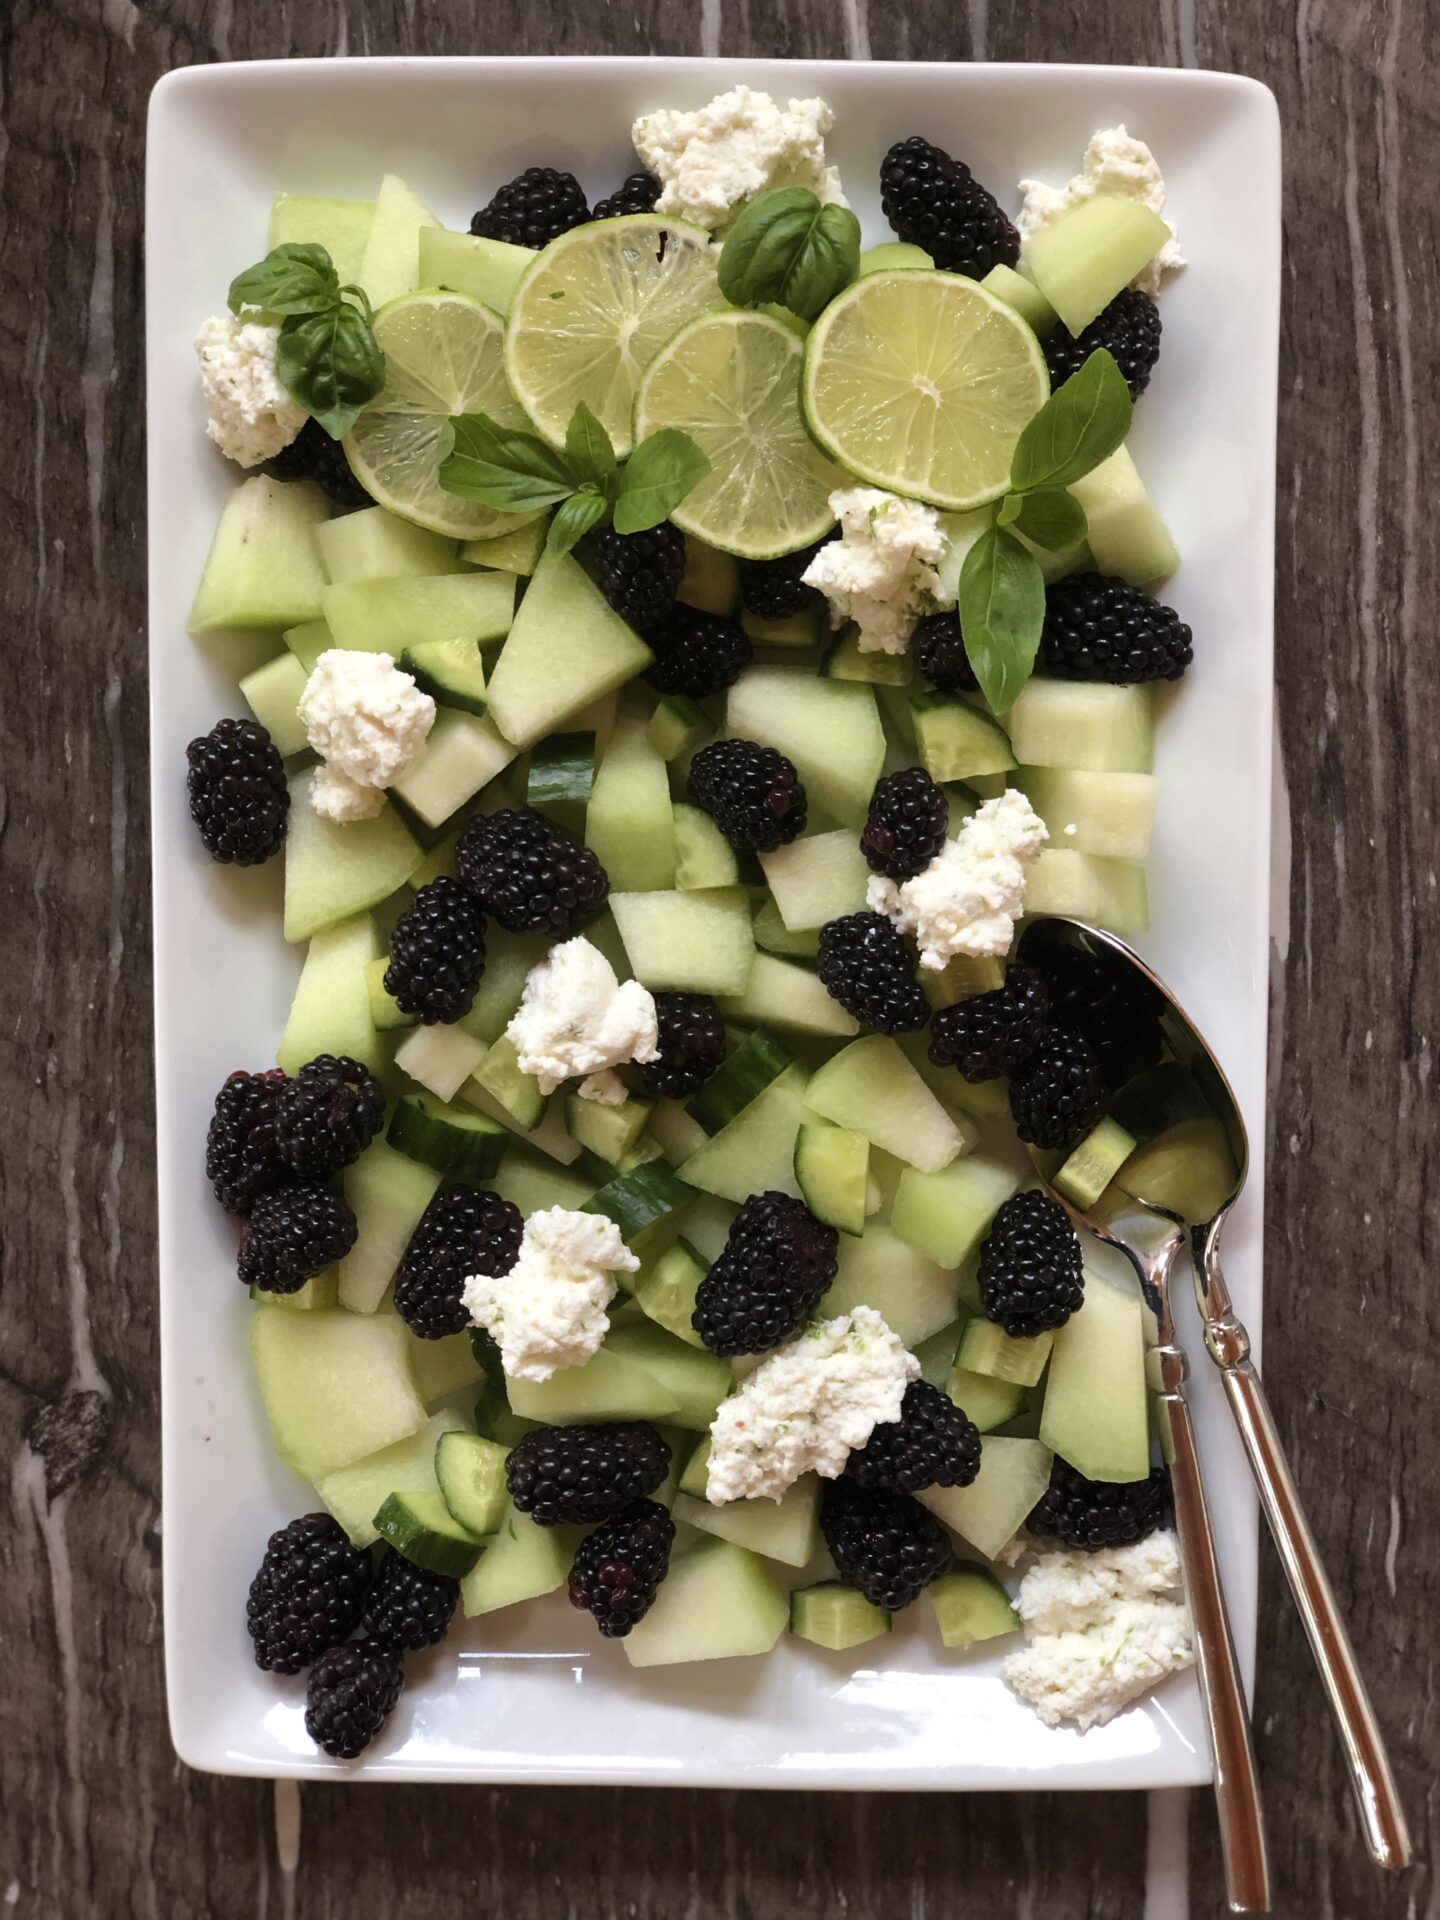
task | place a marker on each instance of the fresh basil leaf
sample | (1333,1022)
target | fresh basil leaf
(1002,609)
(788,250)
(330,365)
(502,467)
(1008,511)
(572,521)
(1081,424)
(588,449)
(1050,517)
(656,478)
(294,278)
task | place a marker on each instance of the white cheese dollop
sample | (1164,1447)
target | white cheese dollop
(1100,1630)
(252,417)
(576,1018)
(709,163)
(807,1405)
(1122,167)
(367,720)
(548,1311)
(880,573)
(970,896)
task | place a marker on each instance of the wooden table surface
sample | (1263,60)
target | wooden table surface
(97,1818)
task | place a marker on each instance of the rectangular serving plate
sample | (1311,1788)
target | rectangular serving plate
(533,1695)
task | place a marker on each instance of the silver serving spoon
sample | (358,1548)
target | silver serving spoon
(1151,1234)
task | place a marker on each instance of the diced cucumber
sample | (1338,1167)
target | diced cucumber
(446,1370)
(501,1076)
(699,942)
(696,1379)
(385,1011)
(1188,1170)
(1013,1475)
(912,1295)
(518,549)
(562,778)
(666,1294)
(453,1140)
(377,545)
(947,1214)
(1105,813)
(628,823)
(470,1474)
(678,727)
(532,1182)
(640,1198)
(272,693)
(463,753)
(970,1606)
(609,1132)
(987,1402)
(336,1386)
(703,856)
(609,1386)
(1023,296)
(835,1616)
(755,1152)
(488,270)
(795,630)
(355,1493)
(422,1528)
(871,1087)
(1095,1414)
(773,936)
(333,871)
(450,671)
(383,615)
(955,740)
(508,959)
(711,580)
(830,729)
(547,1136)
(1126,535)
(816,879)
(787,1529)
(988,1349)
(567,646)
(390,265)
(832,1168)
(1084,724)
(843,660)
(521,1561)
(1094,1163)
(1093,250)
(387,1192)
(718,1602)
(340,226)
(331,1009)
(263,569)
(440,1058)
(1082,886)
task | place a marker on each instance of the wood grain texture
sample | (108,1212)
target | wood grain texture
(99,1819)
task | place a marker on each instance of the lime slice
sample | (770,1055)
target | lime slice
(444,355)
(595,309)
(732,382)
(922,383)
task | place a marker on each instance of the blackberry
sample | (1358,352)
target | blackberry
(1102,997)
(866,966)
(292,1235)
(238,796)
(531,877)
(409,1608)
(351,1694)
(437,952)
(581,1474)
(637,193)
(617,1571)
(777,1263)
(1091,1514)
(937,647)
(907,825)
(884,1543)
(1030,1272)
(936,203)
(241,1158)
(932,1444)
(1097,628)
(774,590)
(1129,328)
(639,573)
(1059,1093)
(464,1230)
(690,1033)
(308,1595)
(697,653)
(328,1115)
(313,455)
(752,793)
(531,209)
(992,1035)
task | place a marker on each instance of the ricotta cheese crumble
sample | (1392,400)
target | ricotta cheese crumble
(880,573)
(367,720)
(575,1017)
(549,1311)
(252,417)
(711,162)
(1116,164)
(970,896)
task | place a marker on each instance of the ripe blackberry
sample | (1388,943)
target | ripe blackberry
(1129,328)
(1097,628)
(238,796)
(351,1694)
(437,952)
(327,1116)
(639,573)
(992,1035)
(1102,997)
(777,1263)
(1091,1514)
(582,1474)
(907,825)
(697,653)
(529,876)
(938,649)
(313,455)
(774,589)
(531,209)
(932,1444)
(1030,1273)
(292,1235)
(308,1594)
(1059,1093)
(691,1037)
(866,966)
(936,203)
(241,1158)
(464,1230)
(616,1572)
(409,1608)
(884,1543)
(637,193)
(752,793)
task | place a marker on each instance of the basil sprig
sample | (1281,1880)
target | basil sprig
(518,472)
(787,250)
(327,358)
(1002,589)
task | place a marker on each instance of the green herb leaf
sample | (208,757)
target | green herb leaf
(502,467)
(788,250)
(588,449)
(582,511)
(329,363)
(1081,424)
(1051,517)
(294,278)
(1008,511)
(656,478)
(1002,609)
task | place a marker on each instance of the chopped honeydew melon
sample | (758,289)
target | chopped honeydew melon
(678,727)
(263,568)
(307,642)
(390,264)
(377,615)
(375,544)
(1013,1475)
(773,936)
(508,960)
(334,869)
(914,1296)
(272,693)
(336,1385)
(446,1369)
(331,1009)
(1023,295)
(795,630)
(985,1401)
(517,550)
(703,856)
(609,1132)
(1086,255)
(342,227)
(717,1602)
(872,1088)
(488,270)
(677,1134)
(694,1377)
(1084,724)
(567,647)
(819,878)
(355,1494)
(440,1058)
(946,1214)
(532,1181)
(547,1134)
(628,823)
(755,1152)
(787,1529)
(711,580)
(1125,533)
(779,993)
(1112,814)
(521,1561)
(665,1293)
(830,729)
(699,942)
(609,1386)
(387,1192)
(936,1353)
(1095,1414)
(462,753)
(1083,886)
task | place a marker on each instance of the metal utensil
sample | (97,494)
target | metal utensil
(1137,1224)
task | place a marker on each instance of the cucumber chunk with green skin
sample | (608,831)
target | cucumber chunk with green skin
(382,615)
(832,1167)
(987,1402)
(1013,1475)
(628,823)
(521,1561)
(354,1494)
(843,660)
(947,1214)
(692,942)
(609,1386)
(263,568)
(782,994)
(333,871)
(374,544)
(666,1294)
(1188,1171)
(871,1087)
(388,1192)
(912,1295)
(955,740)
(1093,250)
(988,1349)
(678,727)
(272,693)
(703,856)
(562,778)
(835,1616)
(440,1058)
(717,1602)
(518,550)
(501,1076)
(1095,1414)
(771,934)
(816,879)
(640,1198)
(384,1007)
(567,647)
(336,1386)
(548,1135)
(463,753)
(1084,724)
(741,1077)
(531,1181)
(755,1152)
(829,729)
(331,1009)
(453,1140)
(488,270)
(795,630)
(1106,813)
(1083,886)
(696,1379)
(787,1529)
(470,1475)
(340,226)
(446,1370)
(609,1132)
(970,1606)
(711,580)
(1099,1157)
(450,671)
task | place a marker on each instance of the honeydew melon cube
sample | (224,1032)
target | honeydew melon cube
(355,1494)
(508,959)
(872,1088)
(985,1401)
(390,264)
(488,270)
(755,1152)
(374,544)
(440,1058)
(566,648)
(773,936)
(988,1513)
(379,615)
(331,1009)
(334,870)
(817,879)
(518,549)
(781,994)
(703,856)
(1022,296)
(699,942)
(307,642)
(272,693)
(717,1602)
(388,1192)
(946,1215)
(336,1385)
(463,753)
(1092,251)
(696,1379)
(532,1182)
(263,568)
(1083,886)
(342,227)
(830,729)
(1125,533)
(787,1529)
(609,1386)
(915,1296)
(521,1561)
(1112,814)
(711,580)
(629,824)
(1084,724)
(1095,1414)
(446,1369)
